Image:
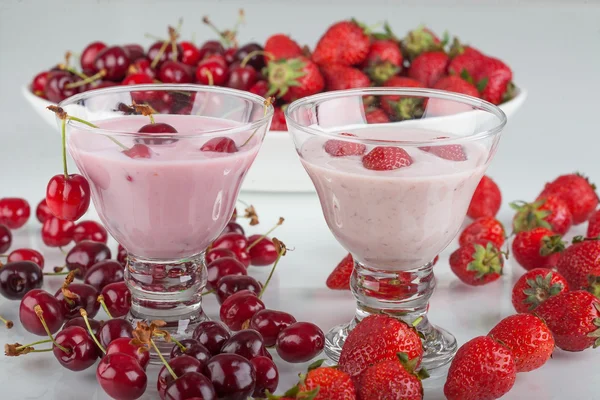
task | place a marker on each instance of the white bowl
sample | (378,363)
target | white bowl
(277,167)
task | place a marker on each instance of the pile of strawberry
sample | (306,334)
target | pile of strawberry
(348,55)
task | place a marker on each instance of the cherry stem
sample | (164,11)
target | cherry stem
(179,344)
(266,234)
(63,133)
(34,344)
(9,324)
(255,53)
(56,273)
(84,314)
(279,255)
(103,304)
(267,103)
(40,314)
(74,71)
(115,141)
(207,292)
(167,366)
(159,54)
(90,79)
(207,73)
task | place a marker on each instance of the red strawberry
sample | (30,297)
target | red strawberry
(528,338)
(400,286)
(278,122)
(327,383)
(494,77)
(427,68)
(392,379)
(550,213)
(537,248)
(383,61)
(402,108)
(376,116)
(593,229)
(481,370)
(578,260)
(486,200)
(454,83)
(536,286)
(482,231)
(340,77)
(575,190)
(594,282)
(419,41)
(573,318)
(339,279)
(386,158)
(343,148)
(360,351)
(281,46)
(477,265)
(344,43)
(295,78)
(452,152)
(466,63)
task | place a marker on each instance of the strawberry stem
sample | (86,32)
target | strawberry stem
(40,314)
(87,323)
(266,234)
(103,304)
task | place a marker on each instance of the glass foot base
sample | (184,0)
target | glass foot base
(440,345)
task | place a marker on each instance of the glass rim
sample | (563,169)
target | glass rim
(478,104)
(164,87)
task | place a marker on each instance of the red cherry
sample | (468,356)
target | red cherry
(242,78)
(57,232)
(121,376)
(262,253)
(39,83)
(300,342)
(239,308)
(212,335)
(267,376)
(220,145)
(88,57)
(231,284)
(180,365)
(211,47)
(18,278)
(115,61)
(122,256)
(90,230)
(56,89)
(223,267)
(81,350)
(193,348)
(84,297)
(51,312)
(232,376)
(269,323)
(104,273)
(114,329)
(191,54)
(191,386)
(234,227)
(218,58)
(166,55)
(157,128)
(138,78)
(5,238)
(211,72)
(123,345)
(117,299)
(174,72)
(134,51)
(229,55)
(142,66)
(236,243)
(42,212)
(14,212)
(79,321)
(26,255)
(247,343)
(102,84)
(84,255)
(138,151)
(260,88)
(215,254)
(68,198)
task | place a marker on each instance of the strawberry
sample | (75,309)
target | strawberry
(456,84)
(280,46)
(392,379)
(343,148)
(278,122)
(452,152)
(420,40)
(383,61)
(399,287)
(537,248)
(402,108)
(386,159)
(427,68)
(486,200)
(360,351)
(578,260)
(339,279)
(594,282)
(482,231)
(481,370)
(529,339)
(593,229)
(493,78)
(477,265)
(550,213)
(575,190)
(466,63)
(573,319)
(376,115)
(536,286)
(344,43)
(340,77)
(295,78)
(328,383)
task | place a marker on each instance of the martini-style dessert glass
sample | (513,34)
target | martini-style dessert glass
(165,165)
(395,194)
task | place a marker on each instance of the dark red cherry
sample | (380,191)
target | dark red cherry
(211,72)
(218,58)
(232,376)
(57,232)
(117,298)
(269,323)
(211,47)
(180,365)
(121,376)
(231,284)
(193,348)
(267,376)
(166,55)
(222,267)
(191,54)
(300,342)
(104,273)
(79,321)
(81,349)
(84,296)
(191,386)
(38,84)
(157,128)
(212,335)
(114,329)
(85,254)
(90,230)
(68,198)
(14,212)
(57,87)
(142,66)
(260,88)
(215,254)
(122,256)
(262,253)
(134,51)
(17,278)
(257,61)
(115,61)
(238,308)
(242,78)
(174,72)
(5,238)
(26,255)
(42,211)
(220,145)
(233,227)
(51,312)
(88,57)
(235,242)
(138,79)
(123,345)
(247,343)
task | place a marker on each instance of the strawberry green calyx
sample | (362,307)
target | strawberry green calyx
(486,260)
(419,41)
(407,108)
(530,216)
(387,33)
(594,285)
(541,289)
(294,393)
(510,92)
(410,366)
(381,71)
(284,74)
(551,245)
(315,365)
(596,333)
(456,48)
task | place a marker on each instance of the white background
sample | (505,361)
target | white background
(554,51)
